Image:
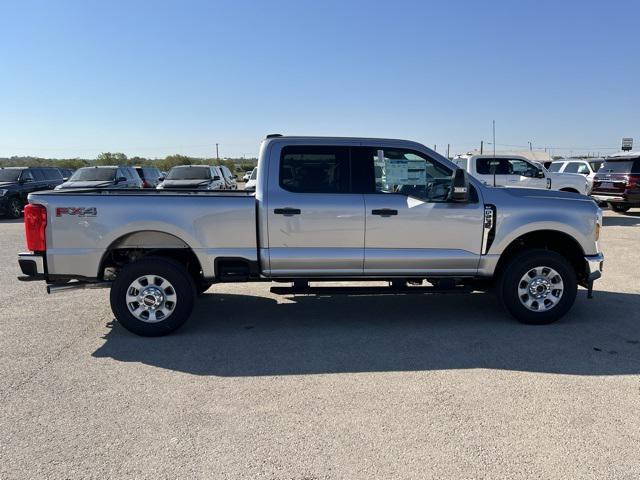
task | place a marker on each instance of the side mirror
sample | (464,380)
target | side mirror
(161,179)
(216,178)
(121,179)
(540,174)
(26,180)
(459,186)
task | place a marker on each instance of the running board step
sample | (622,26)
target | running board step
(366,290)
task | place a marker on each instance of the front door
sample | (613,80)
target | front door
(412,229)
(315,222)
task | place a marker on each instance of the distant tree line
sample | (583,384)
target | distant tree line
(236,165)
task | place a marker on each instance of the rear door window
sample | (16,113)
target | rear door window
(314,169)
(489,166)
(38,174)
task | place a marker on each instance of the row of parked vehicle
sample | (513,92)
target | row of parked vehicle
(613,181)
(16,183)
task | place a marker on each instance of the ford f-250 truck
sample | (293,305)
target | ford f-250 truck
(324,209)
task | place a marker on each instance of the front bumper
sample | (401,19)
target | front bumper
(595,264)
(32,266)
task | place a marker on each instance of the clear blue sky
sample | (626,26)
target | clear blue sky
(158,77)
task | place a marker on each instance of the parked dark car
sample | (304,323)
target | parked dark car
(103,177)
(617,183)
(151,176)
(16,183)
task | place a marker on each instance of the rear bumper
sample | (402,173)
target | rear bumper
(626,198)
(32,266)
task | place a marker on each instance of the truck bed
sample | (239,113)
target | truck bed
(84,224)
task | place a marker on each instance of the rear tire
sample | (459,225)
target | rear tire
(618,208)
(538,287)
(153,296)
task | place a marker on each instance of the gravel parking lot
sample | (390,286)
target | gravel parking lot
(260,386)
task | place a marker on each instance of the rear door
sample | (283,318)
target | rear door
(315,221)
(412,228)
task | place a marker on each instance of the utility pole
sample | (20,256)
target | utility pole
(448,151)
(530,146)
(434,148)
(217,156)
(481,146)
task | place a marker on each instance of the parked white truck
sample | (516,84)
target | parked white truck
(517,171)
(324,209)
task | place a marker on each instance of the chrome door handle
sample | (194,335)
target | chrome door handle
(287,211)
(384,212)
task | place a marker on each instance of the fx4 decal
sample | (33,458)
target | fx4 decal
(77,211)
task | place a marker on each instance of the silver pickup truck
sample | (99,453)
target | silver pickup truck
(324,209)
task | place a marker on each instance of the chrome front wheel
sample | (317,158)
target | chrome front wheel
(540,289)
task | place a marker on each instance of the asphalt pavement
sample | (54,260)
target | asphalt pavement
(257,386)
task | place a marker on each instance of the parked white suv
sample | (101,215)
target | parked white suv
(517,171)
(586,167)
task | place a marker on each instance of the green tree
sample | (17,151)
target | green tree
(174,160)
(108,158)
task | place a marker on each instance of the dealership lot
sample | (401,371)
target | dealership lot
(261,386)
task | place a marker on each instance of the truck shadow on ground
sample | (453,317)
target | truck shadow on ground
(240,335)
(11,220)
(630,219)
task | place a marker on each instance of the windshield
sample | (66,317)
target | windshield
(254,174)
(189,173)
(555,167)
(9,175)
(596,164)
(92,174)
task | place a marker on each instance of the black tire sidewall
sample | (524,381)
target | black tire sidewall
(12,203)
(519,265)
(169,269)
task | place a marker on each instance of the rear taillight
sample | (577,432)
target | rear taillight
(35,223)
(633,181)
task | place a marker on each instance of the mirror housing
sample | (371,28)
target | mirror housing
(121,179)
(216,178)
(540,174)
(459,186)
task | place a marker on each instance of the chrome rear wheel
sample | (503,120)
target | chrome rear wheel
(151,298)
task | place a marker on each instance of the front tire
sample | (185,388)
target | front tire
(618,208)
(153,296)
(538,287)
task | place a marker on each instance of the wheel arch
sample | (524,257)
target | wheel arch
(553,240)
(133,246)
